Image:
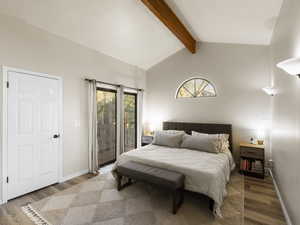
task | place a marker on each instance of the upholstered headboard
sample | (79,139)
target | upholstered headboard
(209,128)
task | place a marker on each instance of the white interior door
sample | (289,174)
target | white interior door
(33,120)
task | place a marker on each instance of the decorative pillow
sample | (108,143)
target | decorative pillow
(166,138)
(225,146)
(204,143)
(221,141)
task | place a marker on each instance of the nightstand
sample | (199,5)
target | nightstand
(252,160)
(146,140)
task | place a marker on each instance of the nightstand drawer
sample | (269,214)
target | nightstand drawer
(252,152)
(146,140)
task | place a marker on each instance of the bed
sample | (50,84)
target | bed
(205,173)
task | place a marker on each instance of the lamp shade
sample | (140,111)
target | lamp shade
(291,66)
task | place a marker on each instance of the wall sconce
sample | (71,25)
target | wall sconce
(269,91)
(291,66)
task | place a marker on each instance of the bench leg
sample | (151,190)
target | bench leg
(181,196)
(211,204)
(129,181)
(177,202)
(119,181)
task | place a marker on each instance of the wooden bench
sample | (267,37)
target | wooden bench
(169,180)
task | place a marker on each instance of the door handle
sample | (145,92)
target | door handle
(56,135)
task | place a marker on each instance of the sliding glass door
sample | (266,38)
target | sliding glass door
(107,125)
(130,121)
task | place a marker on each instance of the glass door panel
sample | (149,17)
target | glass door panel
(107,122)
(130,121)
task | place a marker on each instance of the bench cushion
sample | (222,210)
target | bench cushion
(158,176)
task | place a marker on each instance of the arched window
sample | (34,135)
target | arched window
(196,88)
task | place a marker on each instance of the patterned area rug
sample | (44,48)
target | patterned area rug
(97,202)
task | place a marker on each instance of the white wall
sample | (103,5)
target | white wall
(286,111)
(26,47)
(238,72)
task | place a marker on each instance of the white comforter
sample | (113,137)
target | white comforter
(205,173)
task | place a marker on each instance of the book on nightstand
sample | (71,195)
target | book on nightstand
(252,160)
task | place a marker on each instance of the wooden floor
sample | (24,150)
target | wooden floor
(261,206)
(10,213)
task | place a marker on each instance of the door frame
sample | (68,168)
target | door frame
(4,126)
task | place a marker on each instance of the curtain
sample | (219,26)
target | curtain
(92,113)
(120,128)
(140,97)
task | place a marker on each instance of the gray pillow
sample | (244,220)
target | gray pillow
(204,143)
(174,131)
(194,133)
(165,138)
(221,141)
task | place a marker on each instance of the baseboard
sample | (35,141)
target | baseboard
(286,215)
(71,176)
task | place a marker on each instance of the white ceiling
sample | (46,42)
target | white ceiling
(127,30)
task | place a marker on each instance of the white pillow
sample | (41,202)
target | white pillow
(166,138)
(204,143)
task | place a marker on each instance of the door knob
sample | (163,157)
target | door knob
(56,136)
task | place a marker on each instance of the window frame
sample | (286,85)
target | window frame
(195,97)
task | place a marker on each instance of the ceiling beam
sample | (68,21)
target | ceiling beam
(165,14)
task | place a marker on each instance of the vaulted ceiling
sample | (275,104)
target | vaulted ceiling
(127,30)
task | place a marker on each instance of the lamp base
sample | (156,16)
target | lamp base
(260,142)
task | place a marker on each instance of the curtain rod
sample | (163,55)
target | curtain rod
(116,85)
